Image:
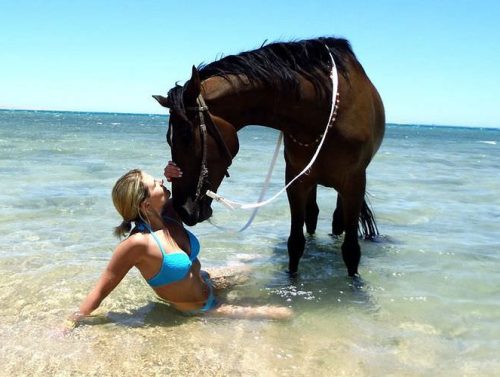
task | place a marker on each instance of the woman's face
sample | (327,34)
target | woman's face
(158,193)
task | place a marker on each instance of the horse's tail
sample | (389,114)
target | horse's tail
(367,225)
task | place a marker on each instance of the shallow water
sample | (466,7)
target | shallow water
(429,304)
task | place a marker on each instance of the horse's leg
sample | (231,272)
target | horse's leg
(338,218)
(312,211)
(297,198)
(353,194)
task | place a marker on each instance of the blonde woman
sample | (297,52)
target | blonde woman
(165,253)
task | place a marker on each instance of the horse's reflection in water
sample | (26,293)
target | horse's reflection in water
(285,86)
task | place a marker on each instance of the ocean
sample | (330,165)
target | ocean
(429,306)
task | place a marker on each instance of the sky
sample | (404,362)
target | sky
(434,62)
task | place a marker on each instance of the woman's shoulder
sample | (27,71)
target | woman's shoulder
(136,242)
(131,250)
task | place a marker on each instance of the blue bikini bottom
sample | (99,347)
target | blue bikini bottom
(211,302)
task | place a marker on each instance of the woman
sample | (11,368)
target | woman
(165,253)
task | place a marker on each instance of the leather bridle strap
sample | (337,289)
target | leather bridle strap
(203,170)
(202,108)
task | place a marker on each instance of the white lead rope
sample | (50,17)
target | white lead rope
(234,205)
(265,186)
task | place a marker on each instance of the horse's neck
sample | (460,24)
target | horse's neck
(238,104)
(243,105)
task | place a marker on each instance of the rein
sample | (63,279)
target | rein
(331,119)
(203,177)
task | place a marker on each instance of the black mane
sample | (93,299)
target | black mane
(278,65)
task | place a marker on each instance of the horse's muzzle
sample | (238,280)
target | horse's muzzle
(193,213)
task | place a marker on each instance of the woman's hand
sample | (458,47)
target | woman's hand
(172,171)
(67,326)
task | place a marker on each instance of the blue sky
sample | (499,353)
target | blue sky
(434,62)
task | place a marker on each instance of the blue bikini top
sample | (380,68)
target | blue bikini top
(176,265)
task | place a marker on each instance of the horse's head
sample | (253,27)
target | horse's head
(202,145)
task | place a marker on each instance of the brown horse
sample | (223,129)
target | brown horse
(285,86)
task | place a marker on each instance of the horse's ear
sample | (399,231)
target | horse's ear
(193,87)
(162,100)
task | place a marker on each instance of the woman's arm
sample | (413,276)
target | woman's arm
(124,258)
(172,171)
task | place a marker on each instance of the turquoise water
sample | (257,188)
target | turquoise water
(430,305)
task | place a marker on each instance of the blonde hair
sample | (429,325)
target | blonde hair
(128,193)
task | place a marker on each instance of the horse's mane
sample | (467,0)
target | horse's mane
(278,66)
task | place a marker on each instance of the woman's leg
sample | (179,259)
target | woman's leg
(252,312)
(227,277)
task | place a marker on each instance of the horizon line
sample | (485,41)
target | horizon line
(159,114)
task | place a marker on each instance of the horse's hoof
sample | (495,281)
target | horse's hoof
(292,274)
(353,274)
(357,281)
(335,236)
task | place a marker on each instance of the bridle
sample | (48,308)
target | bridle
(205,129)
